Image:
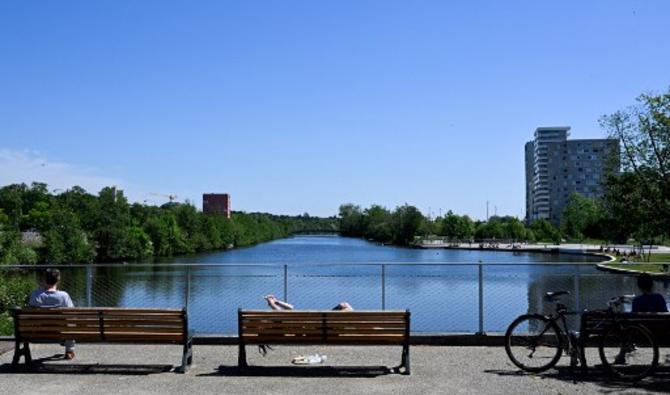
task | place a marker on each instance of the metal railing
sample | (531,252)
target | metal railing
(443,297)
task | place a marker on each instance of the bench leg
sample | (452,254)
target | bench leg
(405,359)
(404,367)
(582,358)
(242,357)
(21,351)
(186,357)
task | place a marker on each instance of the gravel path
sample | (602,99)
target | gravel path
(112,369)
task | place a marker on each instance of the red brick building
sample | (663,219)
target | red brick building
(216,203)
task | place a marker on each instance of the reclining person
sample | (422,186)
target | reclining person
(276,304)
(48,296)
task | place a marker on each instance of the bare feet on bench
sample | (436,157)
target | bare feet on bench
(69,355)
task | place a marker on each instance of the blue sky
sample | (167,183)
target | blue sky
(298,107)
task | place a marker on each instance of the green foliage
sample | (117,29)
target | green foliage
(644,186)
(503,228)
(12,251)
(582,218)
(406,221)
(377,223)
(78,227)
(64,239)
(379,226)
(456,227)
(544,231)
(15,288)
(489,230)
(353,221)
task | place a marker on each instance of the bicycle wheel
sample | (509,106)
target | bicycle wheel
(629,352)
(533,343)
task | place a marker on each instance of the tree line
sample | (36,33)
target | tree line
(74,226)
(406,224)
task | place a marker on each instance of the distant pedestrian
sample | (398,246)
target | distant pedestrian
(48,296)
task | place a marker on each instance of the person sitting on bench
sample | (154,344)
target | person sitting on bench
(647,302)
(48,296)
(276,304)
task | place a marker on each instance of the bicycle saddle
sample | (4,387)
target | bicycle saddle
(551,295)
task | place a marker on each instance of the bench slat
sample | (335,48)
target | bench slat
(83,324)
(288,318)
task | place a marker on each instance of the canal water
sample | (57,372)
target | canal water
(441,288)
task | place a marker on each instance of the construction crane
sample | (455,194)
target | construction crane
(172,198)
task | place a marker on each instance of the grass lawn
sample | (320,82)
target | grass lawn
(653,266)
(661,258)
(641,267)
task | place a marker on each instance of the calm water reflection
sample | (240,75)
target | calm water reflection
(439,287)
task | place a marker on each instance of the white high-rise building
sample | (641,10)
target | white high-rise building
(557,167)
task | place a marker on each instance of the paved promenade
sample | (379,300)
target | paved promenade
(102,369)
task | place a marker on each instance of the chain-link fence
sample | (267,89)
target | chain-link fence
(467,298)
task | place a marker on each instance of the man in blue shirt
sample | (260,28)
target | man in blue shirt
(49,296)
(649,301)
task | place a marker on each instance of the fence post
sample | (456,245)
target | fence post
(89,285)
(286,282)
(187,289)
(575,280)
(383,287)
(481,299)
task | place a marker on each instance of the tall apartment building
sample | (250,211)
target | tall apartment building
(557,167)
(216,203)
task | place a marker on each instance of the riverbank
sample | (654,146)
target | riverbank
(571,248)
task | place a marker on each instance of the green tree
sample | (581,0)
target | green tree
(644,133)
(406,221)
(514,229)
(457,227)
(64,239)
(112,215)
(544,231)
(352,220)
(491,229)
(378,223)
(582,217)
(137,243)
(12,251)
(11,202)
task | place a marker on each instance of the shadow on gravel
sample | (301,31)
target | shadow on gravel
(659,382)
(39,366)
(301,371)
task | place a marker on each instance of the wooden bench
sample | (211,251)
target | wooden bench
(595,323)
(342,328)
(101,325)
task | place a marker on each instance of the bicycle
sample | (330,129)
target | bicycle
(627,350)
(535,342)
